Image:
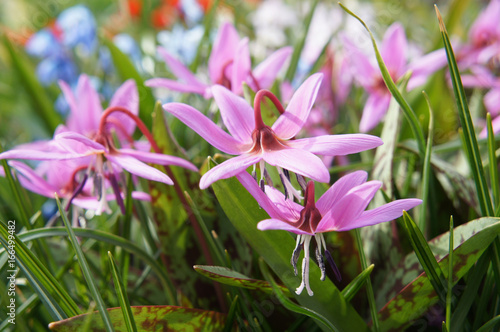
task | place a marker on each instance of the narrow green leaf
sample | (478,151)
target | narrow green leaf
(150,318)
(208,22)
(122,295)
(126,70)
(231,315)
(110,239)
(297,50)
(234,278)
(489,326)
(426,173)
(407,110)
(86,270)
(475,161)
(40,273)
(425,256)
(18,197)
(494,180)
(276,248)
(419,295)
(450,279)
(355,285)
(287,303)
(42,106)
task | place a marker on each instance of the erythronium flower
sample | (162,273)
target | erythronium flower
(229,64)
(340,208)
(368,75)
(254,142)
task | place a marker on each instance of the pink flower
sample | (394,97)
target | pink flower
(254,142)
(340,208)
(368,75)
(228,65)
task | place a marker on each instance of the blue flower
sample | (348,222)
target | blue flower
(78,28)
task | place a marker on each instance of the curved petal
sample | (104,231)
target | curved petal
(298,161)
(277,224)
(288,208)
(362,69)
(198,122)
(176,86)
(425,66)
(237,115)
(241,68)
(386,212)
(339,189)
(336,145)
(157,158)
(393,49)
(375,108)
(178,69)
(228,169)
(343,214)
(52,151)
(262,199)
(265,73)
(222,53)
(297,111)
(127,97)
(30,180)
(139,168)
(85,118)
(81,139)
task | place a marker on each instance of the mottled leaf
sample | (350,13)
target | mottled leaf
(150,318)
(414,300)
(234,278)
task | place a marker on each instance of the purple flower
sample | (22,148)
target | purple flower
(340,208)
(229,65)
(393,51)
(88,135)
(254,142)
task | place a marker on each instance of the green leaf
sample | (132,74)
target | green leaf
(41,103)
(126,70)
(150,318)
(472,147)
(407,110)
(355,285)
(426,173)
(86,270)
(289,304)
(470,241)
(122,296)
(494,180)
(234,278)
(426,258)
(40,274)
(276,248)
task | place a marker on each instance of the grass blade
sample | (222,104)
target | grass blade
(426,258)
(407,110)
(86,270)
(494,180)
(122,296)
(355,285)
(426,173)
(450,279)
(490,324)
(472,148)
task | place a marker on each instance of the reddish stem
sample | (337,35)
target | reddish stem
(259,123)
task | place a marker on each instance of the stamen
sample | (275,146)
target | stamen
(268,178)
(290,191)
(305,268)
(262,185)
(296,254)
(302,181)
(333,265)
(319,257)
(116,190)
(77,191)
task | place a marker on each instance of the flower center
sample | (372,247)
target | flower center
(310,215)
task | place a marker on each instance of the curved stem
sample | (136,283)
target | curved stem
(259,123)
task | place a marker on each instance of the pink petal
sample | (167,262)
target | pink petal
(81,139)
(52,151)
(241,67)
(85,118)
(198,122)
(127,97)
(362,69)
(179,70)
(393,49)
(222,53)
(30,180)
(298,161)
(159,159)
(343,214)
(424,66)
(492,101)
(176,86)
(336,145)
(265,73)
(236,114)
(339,189)
(139,168)
(277,224)
(386,212)
(289,123)
(289,210)
(228,169)
(484,133)
(375,108)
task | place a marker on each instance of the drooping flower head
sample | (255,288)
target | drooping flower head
(340,208)
(229,65)
(255,142)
